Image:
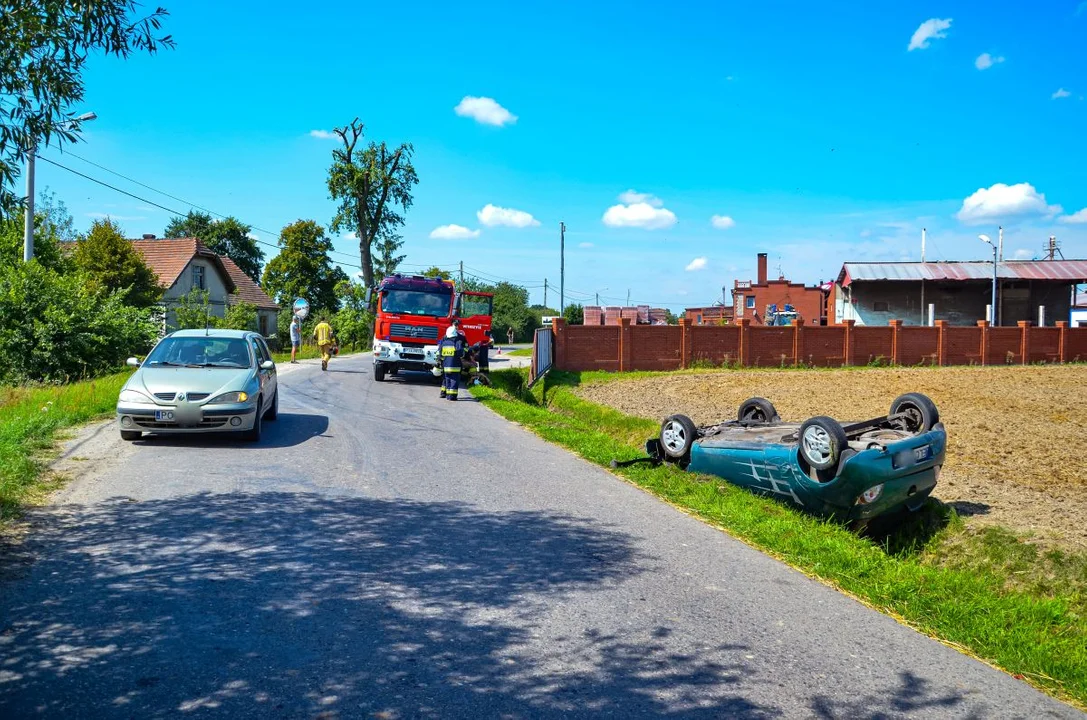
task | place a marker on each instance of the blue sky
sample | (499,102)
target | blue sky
(812,127)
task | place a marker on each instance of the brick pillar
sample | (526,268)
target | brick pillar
(1024,342)
(798,341)
(745,342)
(625,348)
(558,332)
(896,352)
(684,343)
(983,327)
(849,351)
(1062,343)
(941,343)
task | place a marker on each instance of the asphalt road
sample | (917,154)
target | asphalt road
(382,553)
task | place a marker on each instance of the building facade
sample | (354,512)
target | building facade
(752,299)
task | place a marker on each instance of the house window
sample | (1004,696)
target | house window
(750,301)
(198,277)
(880,306)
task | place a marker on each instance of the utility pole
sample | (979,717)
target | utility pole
(545,292)
(562,267)
(28,224)
(598,299)
(628,297)
(462,276)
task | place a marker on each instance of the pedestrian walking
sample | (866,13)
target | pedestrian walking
(451,350)
(325,337)
(296,337)
(509,334)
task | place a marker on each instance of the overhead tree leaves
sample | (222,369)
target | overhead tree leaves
(46,45)
(112,264)
(229,237)
(302,269)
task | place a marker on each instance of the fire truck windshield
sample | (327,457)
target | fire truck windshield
(415,302)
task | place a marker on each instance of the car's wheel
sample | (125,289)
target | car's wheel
(253,433)
(130,435)
(273,412)
(822,441)
(379,372)
(759,410)
(921,413)
(677,435)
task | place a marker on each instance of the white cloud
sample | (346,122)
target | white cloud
(585,245)
(324,135)
(1022,254)
(929,30)
(493,216)
(722,222)
(986,61)
(631,197)
(1076,218)
(1061,93)
(699,263)
(1002,200)
(453,232)
(484,110)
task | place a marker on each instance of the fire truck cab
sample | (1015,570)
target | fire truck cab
(413,313)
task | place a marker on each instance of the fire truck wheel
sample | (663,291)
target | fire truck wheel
(379,372)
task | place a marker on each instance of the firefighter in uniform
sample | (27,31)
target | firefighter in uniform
(451,350)
(484,352)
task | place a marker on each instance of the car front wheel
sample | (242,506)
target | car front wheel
(273,412)
(379,372)
(757,410)
(919,411)
(130,435)
(677,436)
(253,433)
(822,440)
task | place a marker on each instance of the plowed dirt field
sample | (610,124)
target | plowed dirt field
(1017,445)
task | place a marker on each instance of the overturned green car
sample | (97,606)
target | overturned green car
(852,472)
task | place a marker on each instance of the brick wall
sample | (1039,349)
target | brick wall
(629,346)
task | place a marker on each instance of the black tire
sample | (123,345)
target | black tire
(921,413)
(677,436)
(253,434)
(273,412)
(130,435)
(821,441)
(758,409)
(379,372)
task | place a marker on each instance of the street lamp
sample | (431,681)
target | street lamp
(28,224)
(992,315)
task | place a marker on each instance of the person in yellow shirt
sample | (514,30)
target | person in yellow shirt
(325,337)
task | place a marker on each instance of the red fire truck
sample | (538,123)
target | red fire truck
(413,313)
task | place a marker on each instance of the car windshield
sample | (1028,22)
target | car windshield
(201,352)
(415,302)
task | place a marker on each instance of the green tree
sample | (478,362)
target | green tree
(47,44)
(670,317)
(386,261)
(437,272)
(302,269)
(574,314)
(239,315)
(229,236)
(54,328)
(193,311)
(373,187)
(511,310)
(354,323)
(111,263)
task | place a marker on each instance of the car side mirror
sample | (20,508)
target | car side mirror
(267,365)
(133,362)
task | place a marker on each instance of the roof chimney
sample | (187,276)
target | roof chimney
(148,236)
(762,269)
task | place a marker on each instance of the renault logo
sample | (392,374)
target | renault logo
(181,397)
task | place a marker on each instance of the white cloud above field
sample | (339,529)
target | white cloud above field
(453,232)
(1002,201)
(485,111)
(494,216)
(929,30)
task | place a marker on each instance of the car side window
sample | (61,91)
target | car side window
(264,351)
(256,352)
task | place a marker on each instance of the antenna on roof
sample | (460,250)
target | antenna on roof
(1053,248)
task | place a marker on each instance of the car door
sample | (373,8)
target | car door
(268,380)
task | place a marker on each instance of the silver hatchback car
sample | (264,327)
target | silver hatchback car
(196,381)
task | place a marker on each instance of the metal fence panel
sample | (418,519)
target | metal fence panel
(543,355)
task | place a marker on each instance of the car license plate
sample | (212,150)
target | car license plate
(922,453)
(164,416)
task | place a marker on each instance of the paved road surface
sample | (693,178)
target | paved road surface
(384,554)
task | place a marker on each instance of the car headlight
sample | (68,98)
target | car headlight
(230,397)
(134,396)
(870,495)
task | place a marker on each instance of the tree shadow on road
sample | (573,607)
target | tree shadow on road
(914,695)
(299,605)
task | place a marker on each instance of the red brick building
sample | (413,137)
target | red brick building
(751,298)
(712,315)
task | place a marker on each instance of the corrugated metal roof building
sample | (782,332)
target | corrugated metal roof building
(960,292)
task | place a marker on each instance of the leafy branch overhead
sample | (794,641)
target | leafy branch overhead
(46,46)
(374,188)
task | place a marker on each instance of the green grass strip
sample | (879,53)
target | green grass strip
(30,420)
(1039,637)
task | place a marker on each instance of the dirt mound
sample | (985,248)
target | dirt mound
(1017,448)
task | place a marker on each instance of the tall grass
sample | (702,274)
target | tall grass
(960,587)
(30,420)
